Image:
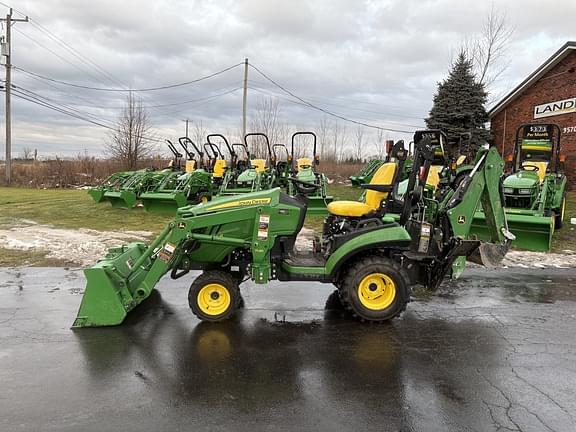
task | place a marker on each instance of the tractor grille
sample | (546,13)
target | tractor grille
(518,201)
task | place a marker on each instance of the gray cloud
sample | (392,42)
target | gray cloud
(377,61)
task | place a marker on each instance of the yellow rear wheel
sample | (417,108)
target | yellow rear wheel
(376,291)
(374,288)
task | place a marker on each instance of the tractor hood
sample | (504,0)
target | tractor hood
(521,180)
(252,199)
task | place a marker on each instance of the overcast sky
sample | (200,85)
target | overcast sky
(375,61)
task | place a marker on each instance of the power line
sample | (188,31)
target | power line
(165,87)
(81,69)
(52,101)
(37,101)
(330,113)
(348,100)
(272,94)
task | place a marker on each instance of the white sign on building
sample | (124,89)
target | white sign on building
(555,108)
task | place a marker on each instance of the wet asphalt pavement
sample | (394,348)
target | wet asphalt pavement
(494,351)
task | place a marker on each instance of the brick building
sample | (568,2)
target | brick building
(548,95)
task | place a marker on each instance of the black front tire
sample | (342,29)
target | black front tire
(390,290)
(214,296)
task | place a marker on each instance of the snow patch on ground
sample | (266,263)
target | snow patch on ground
(81,246)
(85,246)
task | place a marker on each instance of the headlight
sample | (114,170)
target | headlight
(525,191)
(509,191)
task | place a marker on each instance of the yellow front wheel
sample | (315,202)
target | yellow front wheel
(375,288)
(214,296)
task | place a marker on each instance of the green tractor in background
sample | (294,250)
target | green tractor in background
(113,182)
(304,174)
(534,191)
(366,173)
(258,175)
(123,189)
(179,188)
(281,165)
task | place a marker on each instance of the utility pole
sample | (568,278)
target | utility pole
(244,98)
(186,121)
(6,52)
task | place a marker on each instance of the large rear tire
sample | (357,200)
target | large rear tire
(375,289)
(214,296)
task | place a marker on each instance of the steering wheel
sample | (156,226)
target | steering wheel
(533,168)
(303,187)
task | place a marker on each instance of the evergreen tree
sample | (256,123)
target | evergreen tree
(459,108)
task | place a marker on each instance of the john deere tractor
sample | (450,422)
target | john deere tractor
(181,188)
(306,176)
(257,176)
(372,259)
(534,190)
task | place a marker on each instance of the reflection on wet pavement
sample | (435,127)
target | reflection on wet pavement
(492,351)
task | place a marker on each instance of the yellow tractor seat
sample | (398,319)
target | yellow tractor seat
(434,175)
(542,167)
(384,176)
(259,165)
(190,166)
(303,163)
(219,168)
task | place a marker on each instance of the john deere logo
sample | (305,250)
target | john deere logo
(249,202)
(461,219)
(252,202)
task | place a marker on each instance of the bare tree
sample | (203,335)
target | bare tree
(131,140)
(266,119)
(488,50)
(322,132)
(199,133)
(358,152)
(339,141)
(27,153)
(380,145)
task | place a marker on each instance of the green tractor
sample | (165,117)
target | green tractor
(281,165)
(366,173)
(305,176)
(257,176)
(179,189)
(371,259)
(534,191)
(122,189)
(113,182)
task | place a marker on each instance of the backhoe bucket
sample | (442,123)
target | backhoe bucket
(121,199)
(532,232)
(489,254)
(163,203)
(108,296)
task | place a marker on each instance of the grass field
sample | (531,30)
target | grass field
(67,208)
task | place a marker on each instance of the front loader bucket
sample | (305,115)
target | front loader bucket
(96,194)
(108,296)
(317,205)
(163,203)
(121,199)
(532,232)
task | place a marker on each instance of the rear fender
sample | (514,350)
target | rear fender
(395,237)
